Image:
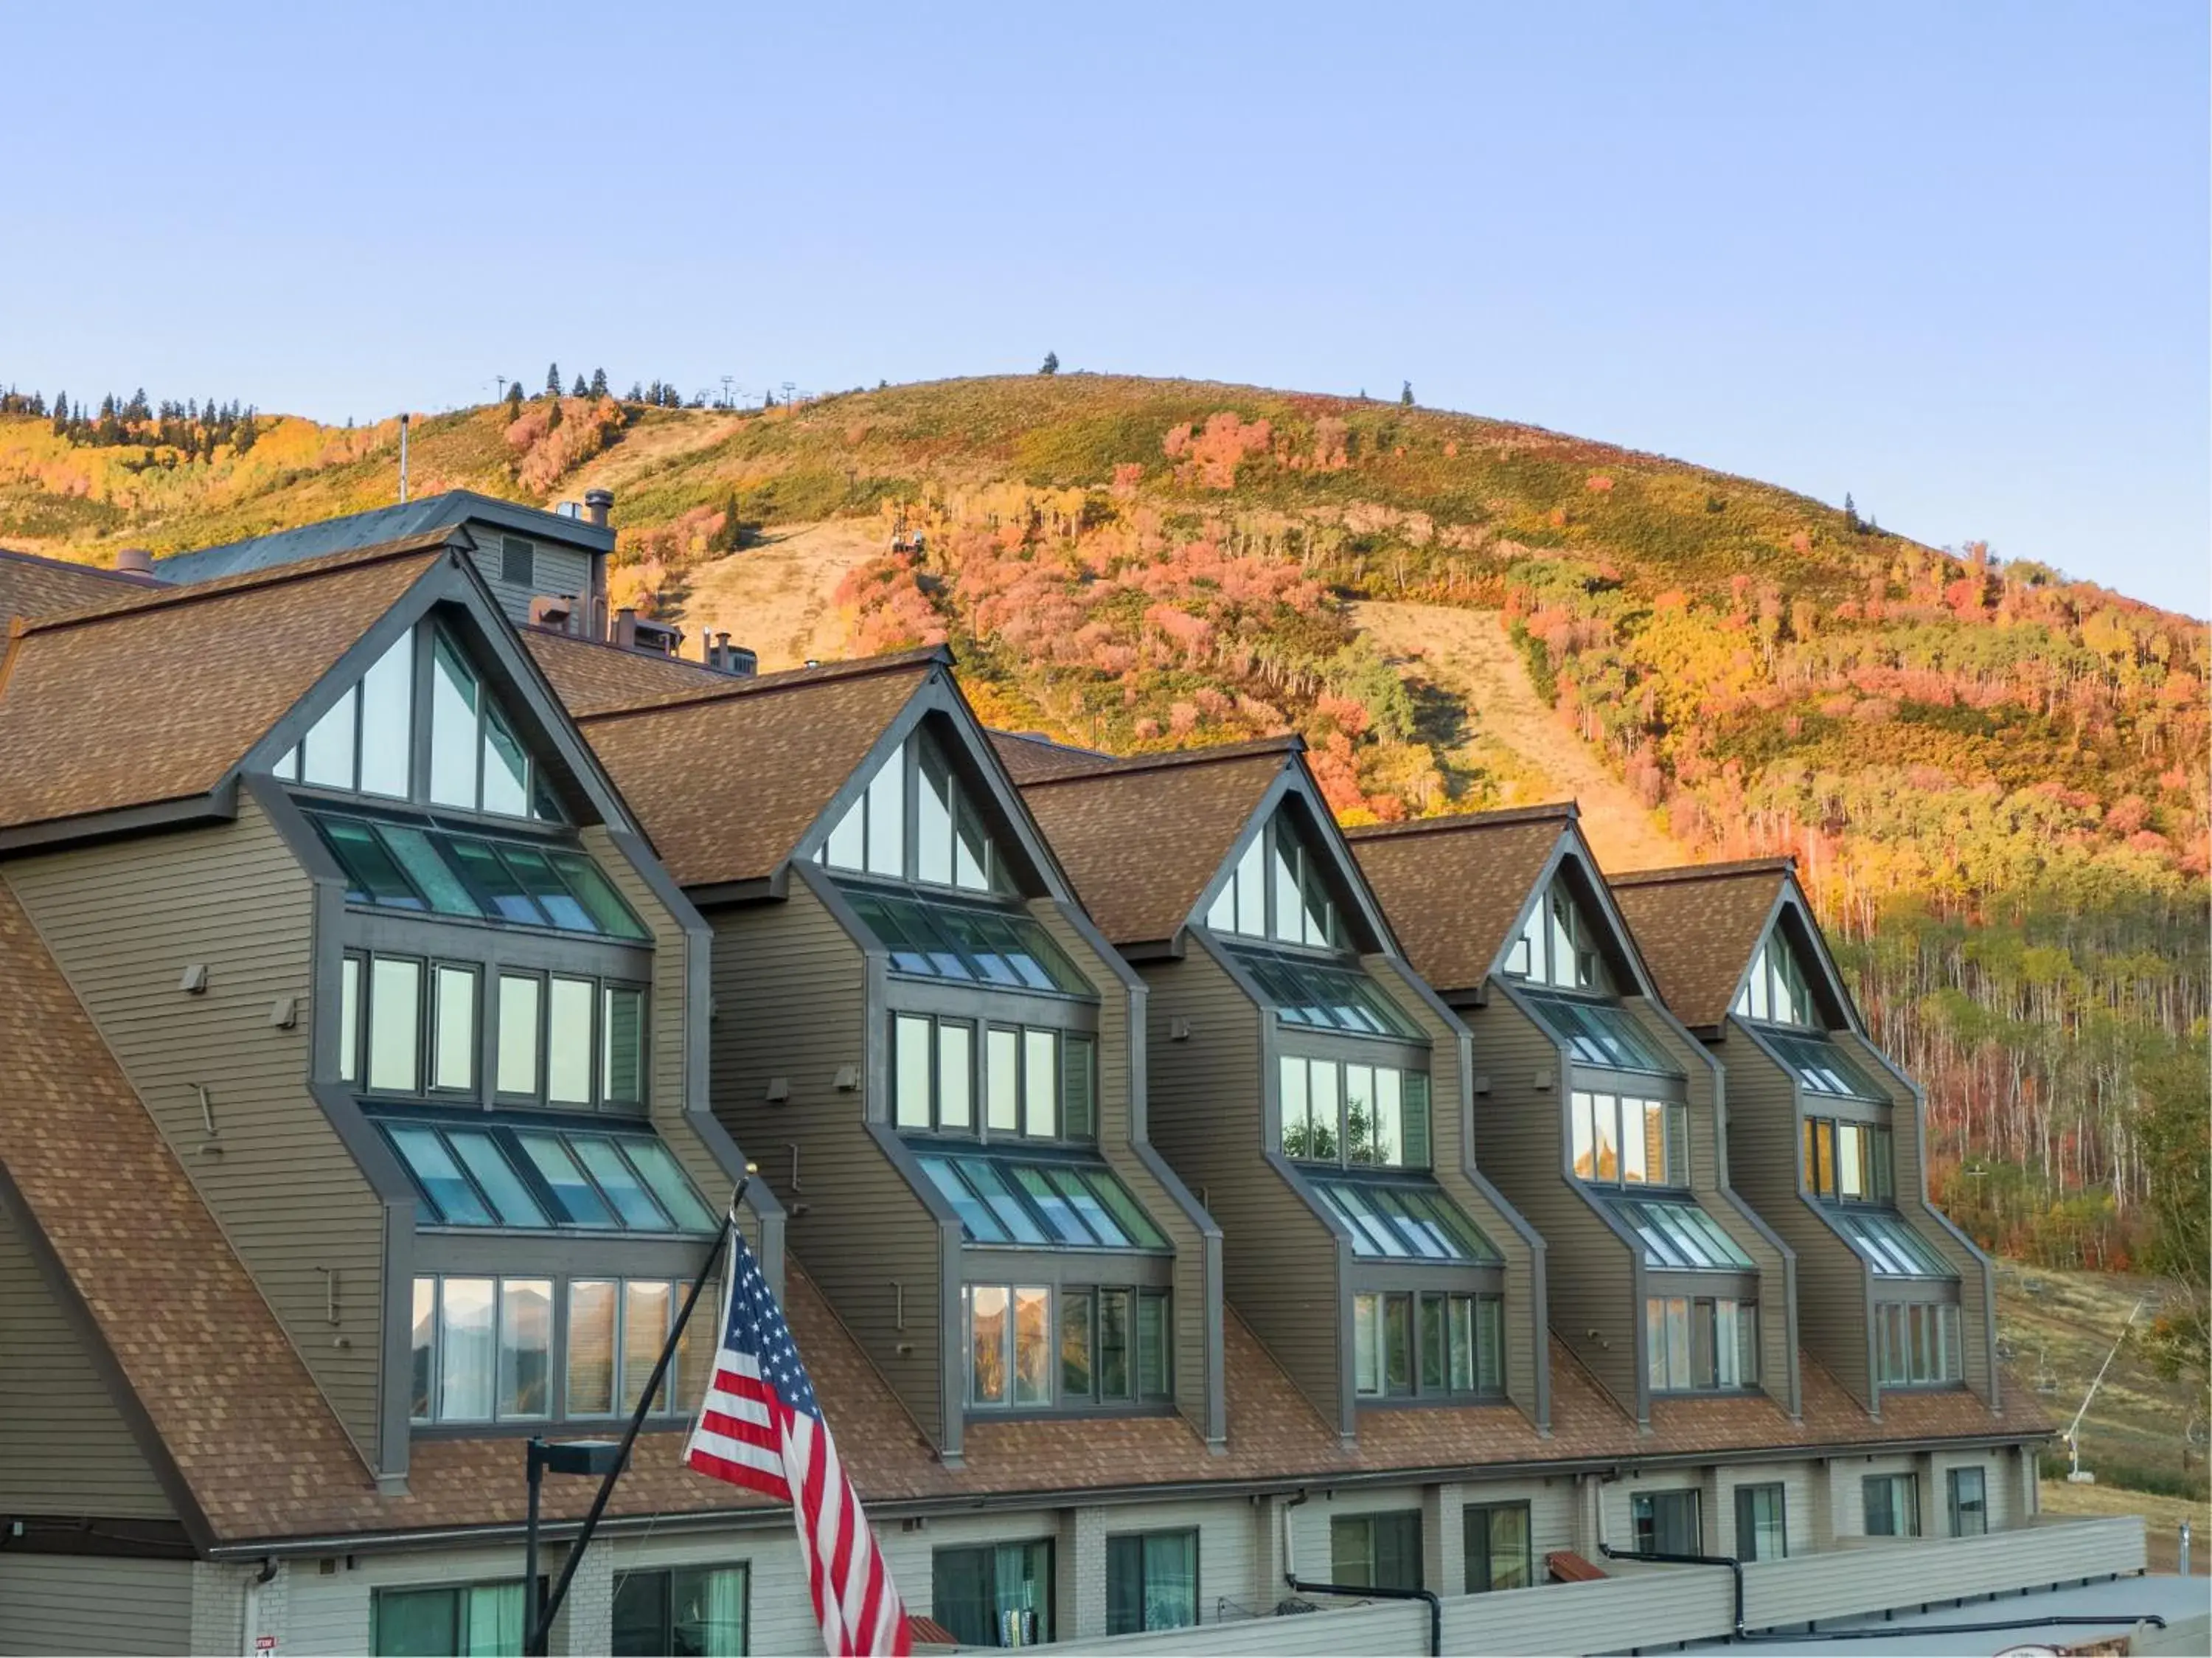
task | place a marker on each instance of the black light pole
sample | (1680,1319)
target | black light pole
(605,1458)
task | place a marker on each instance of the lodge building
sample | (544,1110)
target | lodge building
(1180,1203)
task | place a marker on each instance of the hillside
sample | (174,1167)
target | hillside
(1996,777)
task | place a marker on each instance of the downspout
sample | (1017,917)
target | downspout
(1355,1592)
(249,1612)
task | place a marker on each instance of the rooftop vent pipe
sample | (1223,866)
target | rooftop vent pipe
(134,560)
(598,504)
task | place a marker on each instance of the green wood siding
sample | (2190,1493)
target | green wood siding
(89,1604)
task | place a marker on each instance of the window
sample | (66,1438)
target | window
(1700,1343)
(1969,1502)
(481,1173)
(1334,1112)
(470,1620)
(1822,1067)
(1394,1222)
(1679,1236)
(395,1012)
(1499,1555)
(1114,1346)
(1037,1084)
(518,563)
(1279,889)
(1890,1246)
(1916,1343)
(1435,1343)
(945,844)
(1600,1033)
(1666,1522)
(1620,1140)
(1059,1204)
(1152,1580)
(435,871)
(1558,945)
(1760,1531)
(485,1348)
(363,744)
(1375,1550)
(698,1611)
(1321,997)
(1892,1505)
(1774,992)
(930,939)
(453,1031)
(997,1595)
(1848,1162)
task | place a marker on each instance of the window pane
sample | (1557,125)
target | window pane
(1678,1341)
(453,1043)
(517,1034)
(530,868)
(1153,1346)
(1077,1092)
(412,851)
(1655,1343)
(591,1347)
(619,1183)
(1675,1166)
(1289,910)
(983,1226)
(1032,1347)
(1114,1344)
(597,894)
(372,877)
(526,1346)
(707,1611)
(464,1351)
(1605,1136)
(495,1176)
(1433,1368)
(847,847)
(489,874)
(1367,1344)
(646,1307)
(580,1204)
(1397,1342)
(1123,1208)
(1851,1160)
(658,1165)
(423,1341)
(1490,1344)
(1059,1213)
(955,1076)
(387,704)
(987,1344)
(1359,1113)
(1003,1077)
(454,1199)
(568,1042)
(622,1071)
(505,768)
(1580,1123)
(1635,1144)
(1040,1083)
(452,727)
(887,817)
(1251,888)
(1388,1134)
(1074,1345)
(1321,1088)
(326,756)
(910,1072)
(350,1019)
(1298,1129)
(395,1023)
(1460,1375)
(933,849)
(1071,1184)
(417,1623)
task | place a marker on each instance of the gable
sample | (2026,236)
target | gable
(1791,979)
(1290,882)
(1698,927)
(917,818)
(1564,940)
(1456,888)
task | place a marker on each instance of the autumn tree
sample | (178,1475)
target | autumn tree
(2170,1126)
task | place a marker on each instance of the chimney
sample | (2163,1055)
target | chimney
(626,628)
(598,504)
(134,560)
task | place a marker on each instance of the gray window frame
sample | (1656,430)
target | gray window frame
(1958,1507)
(1747,1522)
(1486,1513)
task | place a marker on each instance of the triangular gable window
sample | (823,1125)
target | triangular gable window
(916,821)
(1280,890)
(1777,990)
(422,725)
(1559,946)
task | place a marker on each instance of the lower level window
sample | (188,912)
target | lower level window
(998,1595)
(1375,1550)
(1427,1343)
(1892,1505)
(697,1612)
(1667,1522)
(1760,1531)
(1694,1343)
(1970,1503)
(1499,1552)
(462,1621)
(1918,1344)
(1114,1346)
(488,1350)
(1152,1581)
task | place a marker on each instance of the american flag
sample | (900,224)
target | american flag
(761,1427)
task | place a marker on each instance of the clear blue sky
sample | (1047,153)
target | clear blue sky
(1952,259)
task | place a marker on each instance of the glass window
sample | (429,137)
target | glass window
(1155,1344)
(910,1072)
(395,1025)
(327,756)
(526,1347)
(608,913)
(1003,1076)
(987,1343)
(1969,1502)
(1078,1094)
(505,768)
(1040,1083)
(1892,1505)
(350,1019)
(518,1033)
(847,847)
(423,1341)
(579,1199)
(1075,1346)
(372,875)
(412,849)
(1113,1335)
(621,1081)
(492,876)
(387,721)
(1397,1344)
(473,1620)
(466,1372)
(495,1176)
(619,1183)
(1499,1555)
(646,1307)
(930,938)
(933,849)
(535,873)
(887,820)
(996,1595)
(956,1075)
(1152,1580)
(698,1611)
(1760,1533)
(591,1347)
(453,1039)
(568,1041)
(453,746)
(1666,1522)
(1559,945)
(1032,1347)
(1375,1550)
(658,1165)
(1251,889)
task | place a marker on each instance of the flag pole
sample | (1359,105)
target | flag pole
(538,1627)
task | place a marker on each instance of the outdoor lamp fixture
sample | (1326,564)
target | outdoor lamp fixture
(594,1459)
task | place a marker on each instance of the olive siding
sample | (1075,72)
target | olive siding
(1712,1168)
(1279,1266)
(791,1003)
(1115,1125)
(554,570)
(1520,1129)
(1450,1155)
(64,1446)
(1763,1137)
(88,1604)
(1977,1286)
(124,921)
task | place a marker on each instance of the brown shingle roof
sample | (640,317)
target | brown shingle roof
(1026,755)
(1452,886)
(592,676)
(1140,838)
(155,696)
(34,587)
(726,779)
(1698,927)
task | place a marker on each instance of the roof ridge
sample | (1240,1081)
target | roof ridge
(124,578)
(545,631)
(1039,740)
(794,679)
(170,595)
(1779,863)
(1564,811)
(1136,765)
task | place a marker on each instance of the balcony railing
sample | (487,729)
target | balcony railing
(1654,1605)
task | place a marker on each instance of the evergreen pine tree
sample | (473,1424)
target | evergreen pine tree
(599,383)
(553,415)
(636,393)
(1405,397)
(1051,363)
(514,400)
(1851,513)
(61,414)
(552,379)
(578,389)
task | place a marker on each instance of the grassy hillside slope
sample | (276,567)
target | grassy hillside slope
(1996,777)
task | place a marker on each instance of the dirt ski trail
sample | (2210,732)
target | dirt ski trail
(780,598)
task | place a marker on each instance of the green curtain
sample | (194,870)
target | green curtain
(494,1621)
(1170,1580)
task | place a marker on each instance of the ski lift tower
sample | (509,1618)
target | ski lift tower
(2074,1474)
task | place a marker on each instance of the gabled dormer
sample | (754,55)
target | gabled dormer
(1828,1131)
(1302,1076)
(1597,1114)
(944,1059)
